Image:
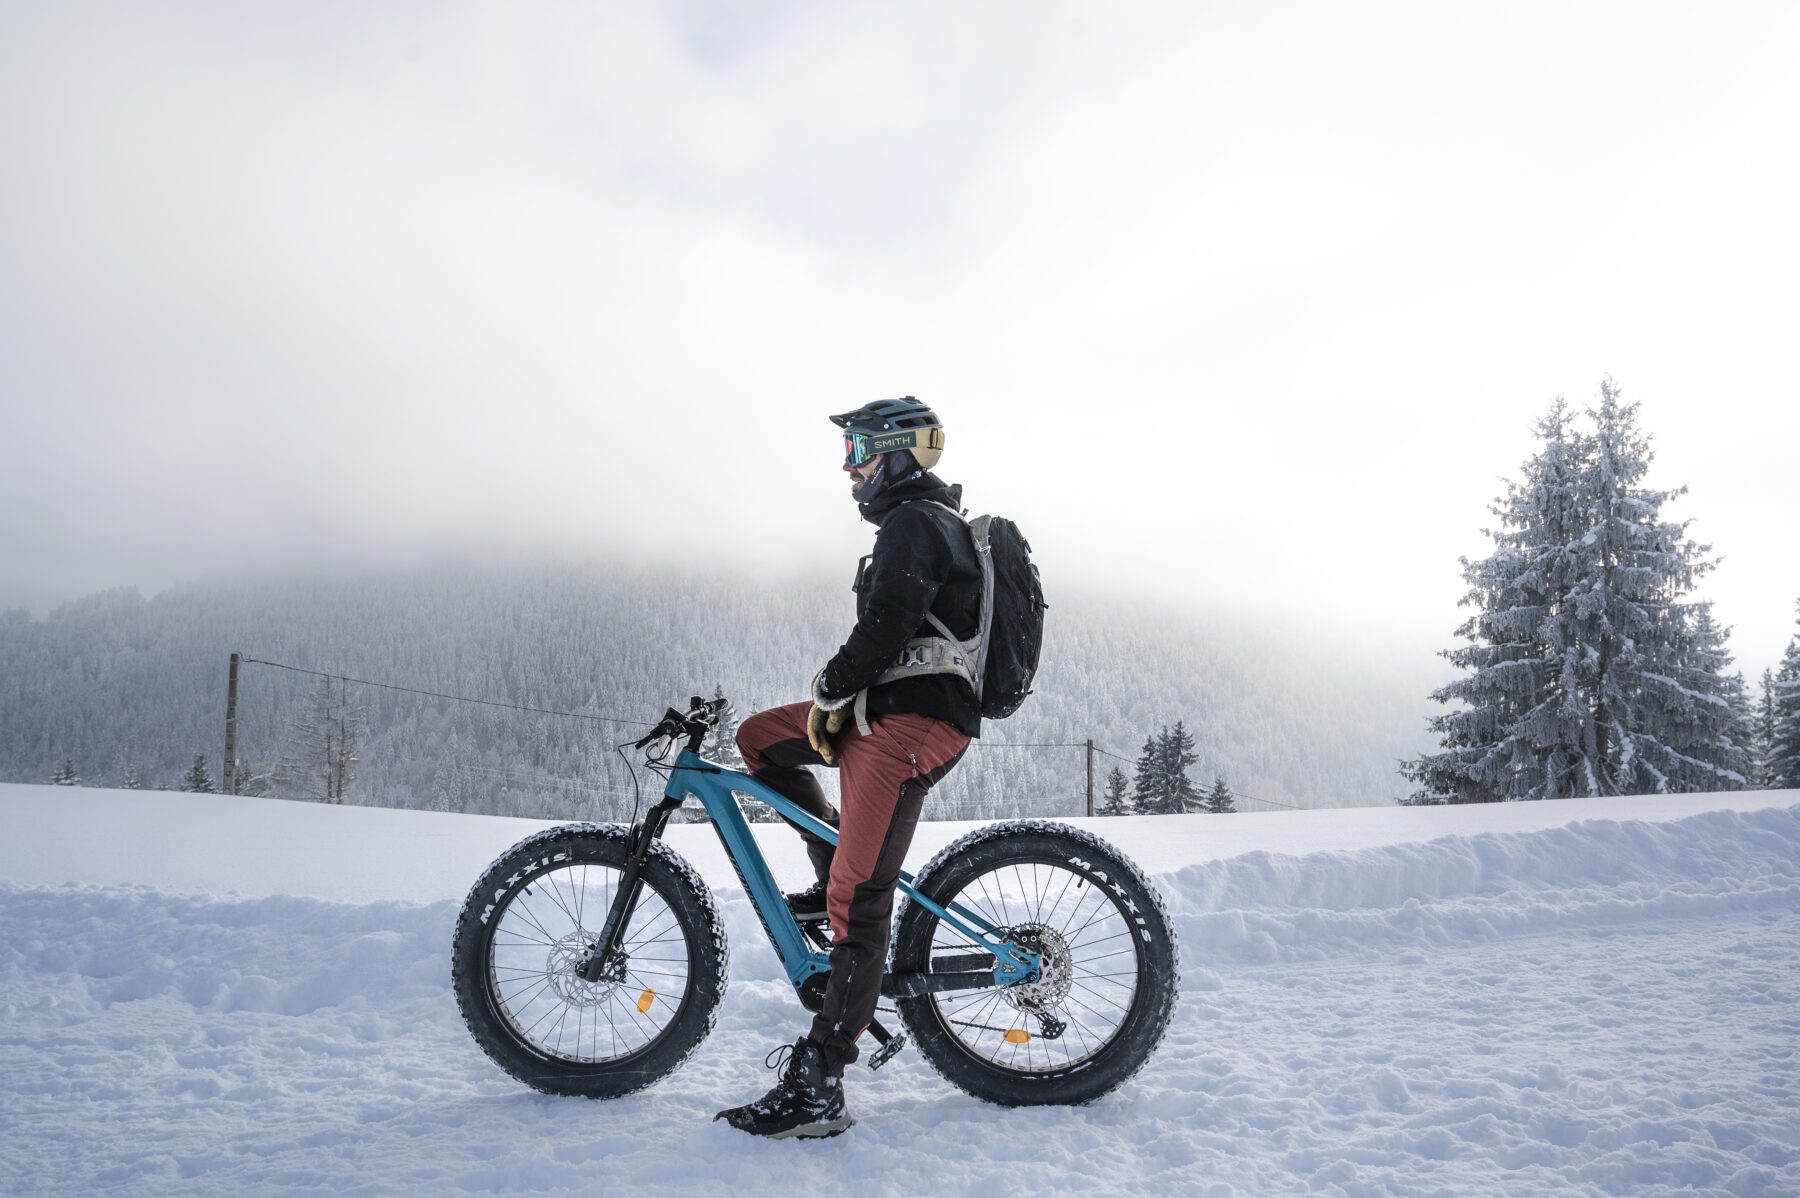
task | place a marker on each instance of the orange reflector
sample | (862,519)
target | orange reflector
(644,1001)
(1017,1035)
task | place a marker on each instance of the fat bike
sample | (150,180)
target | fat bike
(1031,962)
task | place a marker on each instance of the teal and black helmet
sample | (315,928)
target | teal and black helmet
(888,425)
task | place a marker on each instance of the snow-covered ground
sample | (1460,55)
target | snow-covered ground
(207,995)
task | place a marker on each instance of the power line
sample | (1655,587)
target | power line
(1021,744)
(1271,802)
(412,690)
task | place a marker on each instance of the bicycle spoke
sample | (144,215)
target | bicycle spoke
(1077,926)
(532,968)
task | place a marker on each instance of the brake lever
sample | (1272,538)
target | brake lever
(672,722)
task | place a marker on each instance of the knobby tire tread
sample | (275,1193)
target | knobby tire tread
(997,846)
(687,896)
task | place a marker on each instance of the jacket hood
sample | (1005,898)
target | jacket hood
(920,485)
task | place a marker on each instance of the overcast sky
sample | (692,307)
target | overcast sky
(1247,304)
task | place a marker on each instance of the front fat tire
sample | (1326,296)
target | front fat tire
(1001,846)
(702,933)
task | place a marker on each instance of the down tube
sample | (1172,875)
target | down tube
(713,786)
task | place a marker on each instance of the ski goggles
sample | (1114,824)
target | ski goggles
(860,448)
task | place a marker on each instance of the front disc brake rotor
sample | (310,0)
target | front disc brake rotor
(563,970)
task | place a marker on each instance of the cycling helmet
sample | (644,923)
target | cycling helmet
(888,425)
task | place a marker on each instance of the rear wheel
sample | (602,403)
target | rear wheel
(1109,976)
(525,929)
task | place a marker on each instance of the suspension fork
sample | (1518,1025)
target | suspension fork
(604,961)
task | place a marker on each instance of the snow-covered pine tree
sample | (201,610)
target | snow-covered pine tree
(65,775)
(1510,739)
(1180,794)
(1146,779)
(1784,755)
(1709,725)
(198,778)
(1588,673)
(131,781)
(1115,801)
(1642,713)
(319,758)
(1762,775)
(1219,798)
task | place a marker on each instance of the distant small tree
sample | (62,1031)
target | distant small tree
(1178,755)
(1219,800)
(65,775)
(1784,742)
(1147,779)
(1162,785)
(320,757)
(1115,801)
(254,781)
(1763,724)
(198,779)
(132,781)
(720,744)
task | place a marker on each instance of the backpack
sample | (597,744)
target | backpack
(1002,658)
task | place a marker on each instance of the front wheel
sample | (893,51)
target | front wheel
(523,932)
(1109,975)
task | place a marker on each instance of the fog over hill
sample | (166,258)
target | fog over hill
(117,681)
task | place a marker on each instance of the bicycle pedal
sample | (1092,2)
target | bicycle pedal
(887,1052)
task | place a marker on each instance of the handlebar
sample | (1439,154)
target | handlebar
(693,723)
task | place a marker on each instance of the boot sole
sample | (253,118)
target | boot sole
(817,1131)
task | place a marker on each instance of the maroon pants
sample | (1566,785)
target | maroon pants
(882,778)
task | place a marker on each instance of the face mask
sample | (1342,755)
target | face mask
(869,490)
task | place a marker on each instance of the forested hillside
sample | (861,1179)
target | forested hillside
(118,684)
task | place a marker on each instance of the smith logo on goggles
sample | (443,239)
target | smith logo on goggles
(861,447)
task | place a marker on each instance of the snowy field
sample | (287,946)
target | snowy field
(206,995)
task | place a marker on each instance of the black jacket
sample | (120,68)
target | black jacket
(924,561)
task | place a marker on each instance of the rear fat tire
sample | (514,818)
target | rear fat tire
(1158,975)
(702,933)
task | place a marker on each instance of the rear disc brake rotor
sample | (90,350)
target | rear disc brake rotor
(1055,969)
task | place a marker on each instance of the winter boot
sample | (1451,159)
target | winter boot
(808,905)
(804,1103)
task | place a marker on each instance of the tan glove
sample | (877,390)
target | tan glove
(825,719)
(821,726)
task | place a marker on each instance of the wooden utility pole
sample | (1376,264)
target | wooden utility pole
(1090,759)
(231,729)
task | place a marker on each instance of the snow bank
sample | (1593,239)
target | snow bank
(1264,907)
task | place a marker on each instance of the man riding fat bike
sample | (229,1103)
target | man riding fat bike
(893,712)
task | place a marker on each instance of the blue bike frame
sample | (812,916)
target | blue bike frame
(692,776)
